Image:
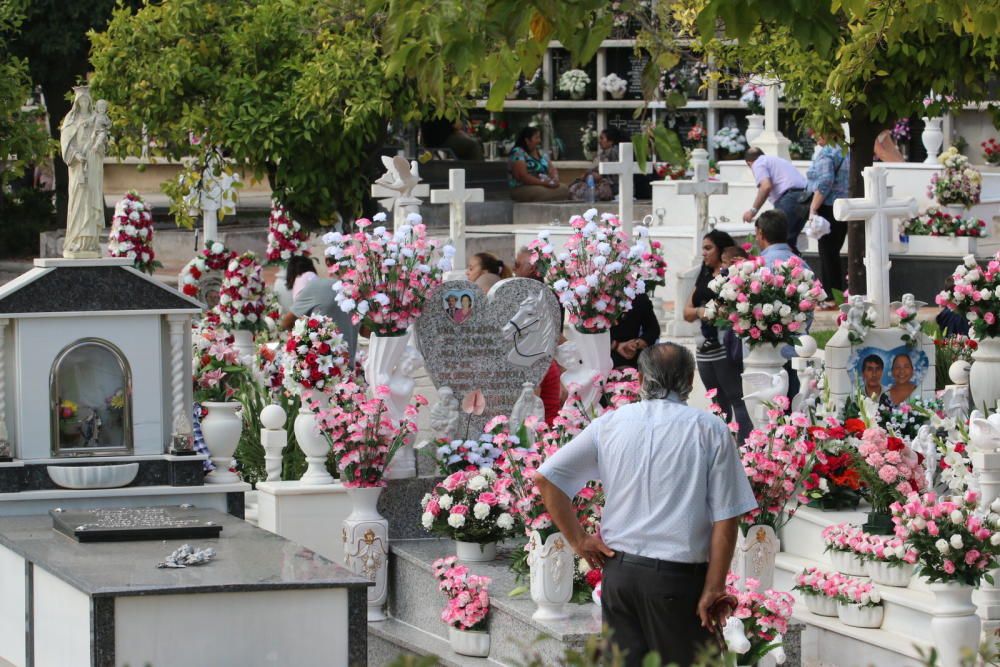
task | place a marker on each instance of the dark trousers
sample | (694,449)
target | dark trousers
(724,376)
(831,270)
(652,606)
(795,212)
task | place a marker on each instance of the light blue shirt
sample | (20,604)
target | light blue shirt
(782,174)
(669,472)
(773,254)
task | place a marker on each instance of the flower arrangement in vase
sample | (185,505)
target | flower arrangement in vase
(315,356)
(213,257)
(588,140)
(382,278)
(241,297)
(752,95)
(269,367)
(218,374)
(364,437)
(888,560)
(471,506)
(763,303)
(697,134)
(819,589)
(653,269)
(974,295)
(285,237)
(846,543)
(758,622)
(595,275)
(959,184)
(613,85)
(936,222)
(574,82)
(991,151)
(131,233)
(901,131)
(730,140)
(889,468)
(468,607)
(859,603)
(833,483)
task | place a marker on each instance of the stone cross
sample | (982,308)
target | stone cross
(457,196)
(701,189)
(771,141)
(624,169)
(877,209)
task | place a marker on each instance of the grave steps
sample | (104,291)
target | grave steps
(908,611)
(390,638)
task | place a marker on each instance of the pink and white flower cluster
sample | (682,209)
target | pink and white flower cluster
(285,237)
(241,297)
(765,303)
(315,356)
(936,222)
(889,468)
(958,184)
(954,540)
(837,586)
(364,436)
(764,614)
(597,274)
(131,233)
(976,295)
(653,269)
(468,595)
(382,278)
(888,549)
(471,506)
(845,537)
(217,373)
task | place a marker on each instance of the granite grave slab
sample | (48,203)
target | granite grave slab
(126,524)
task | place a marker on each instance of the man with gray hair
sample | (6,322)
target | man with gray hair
(675,489)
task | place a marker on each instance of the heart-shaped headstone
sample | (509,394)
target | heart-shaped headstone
(467,342)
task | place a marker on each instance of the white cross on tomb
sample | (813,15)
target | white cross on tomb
(457,196)
(624,169)
(701,189)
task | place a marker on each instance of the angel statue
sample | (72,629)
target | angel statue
(924,445)
(906,310)
(445,415)
(858,318)
(528,404)
(809,378)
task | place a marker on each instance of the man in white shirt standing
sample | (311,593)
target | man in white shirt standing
(675,489)
(779,182)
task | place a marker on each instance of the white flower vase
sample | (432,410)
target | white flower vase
(551,576)
(474,644)
(595,361)
(315,446)
(243,344)
(222,429)
(847,562)
(472,552)
(932,137)
(755,127)
(763,361)
(384,353)
(366,546)
(984,378)
(755,554)
(955,627)
(821,605)
(281,291)
(577,94)
(888,574)
(860,617)
(956,210)
(618,94)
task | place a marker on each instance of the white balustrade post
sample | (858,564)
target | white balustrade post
(273,437)
(180,379)
(6,450)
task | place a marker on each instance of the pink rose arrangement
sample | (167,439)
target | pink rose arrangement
(975,295)
(363,436)
(846,538)
(889,468)
(241,297)
(764,615)
(777,459)
(954,540)
(471,506)
(213,257)
(596,275)
(218,374)
(860,592)
(816,582)
(131,233)
(936,222)
(653,269)
(468,595)
(383,278)
(887,549)
(285,237)
(765,303)
(315,356)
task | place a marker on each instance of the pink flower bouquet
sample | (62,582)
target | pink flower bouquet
(954,541)
(596,275)
(974,295)
(845,538)
(817,582)
(218,374)
(471,506)
(241,297)
(888,467)
(382,278)
(764,303)
(131,233)
(764,616)
(285,237)
(468,595)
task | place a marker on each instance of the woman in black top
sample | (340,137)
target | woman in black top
(635,331)
(717,370)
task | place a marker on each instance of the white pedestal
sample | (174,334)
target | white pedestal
(309,515)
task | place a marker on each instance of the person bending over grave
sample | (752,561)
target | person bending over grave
(532,178)
(318,298)
(669,530)
(871,375)
(779,182)
(486,270)
(902,387)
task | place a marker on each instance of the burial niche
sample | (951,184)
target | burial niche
(91,396)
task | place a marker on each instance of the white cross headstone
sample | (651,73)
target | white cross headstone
(877,209)
(701,189)
(457,196)
(771,140)
(624,169)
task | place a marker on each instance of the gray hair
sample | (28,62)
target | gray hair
(666,368)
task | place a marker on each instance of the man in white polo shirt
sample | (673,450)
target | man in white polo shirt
(675,489)
(779,182)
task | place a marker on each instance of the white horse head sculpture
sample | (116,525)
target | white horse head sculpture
(533,330)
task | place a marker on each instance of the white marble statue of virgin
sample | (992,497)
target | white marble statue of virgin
(83,141)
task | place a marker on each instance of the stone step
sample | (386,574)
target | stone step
(415,600)
(389,639)
(803,534)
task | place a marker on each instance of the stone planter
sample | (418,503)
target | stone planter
(846,562)
(473,552)
(315,446)
(755,127)
(821,605)
(577,94)
(222,429)
(984,378)
(860,617)
(932,137)
(887,574)
(475,644)
(955,627)
(755,554)
(552,564)
(366,546)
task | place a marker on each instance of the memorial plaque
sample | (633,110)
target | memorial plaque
(125,524)
(461,335)
(629,66)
